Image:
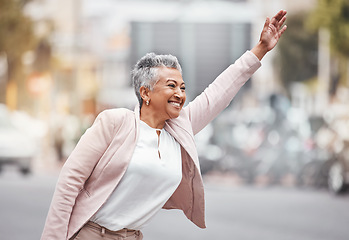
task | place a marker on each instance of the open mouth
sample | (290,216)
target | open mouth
(175,104)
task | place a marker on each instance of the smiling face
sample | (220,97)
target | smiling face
(168,95)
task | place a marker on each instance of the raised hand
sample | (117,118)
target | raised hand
(271,33)
(273,30)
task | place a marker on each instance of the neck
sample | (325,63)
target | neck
(151,119)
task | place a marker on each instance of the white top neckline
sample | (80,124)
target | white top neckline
(146,124)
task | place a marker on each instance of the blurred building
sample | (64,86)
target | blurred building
(96,43)
(71,68)
(206,36)
(204,49)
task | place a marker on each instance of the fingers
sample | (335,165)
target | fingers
(279,19)
(280,15)
(283,29)
(282,21)
(274,21)
(266,24)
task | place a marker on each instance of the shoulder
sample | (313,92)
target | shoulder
(116,116)
(116,113)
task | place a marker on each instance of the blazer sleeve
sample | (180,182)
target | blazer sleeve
(74,174)
(217,96)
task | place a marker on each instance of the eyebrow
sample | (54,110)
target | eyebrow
(174,80)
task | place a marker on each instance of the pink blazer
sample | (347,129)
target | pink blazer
(102,155)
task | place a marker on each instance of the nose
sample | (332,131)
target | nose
(179,94)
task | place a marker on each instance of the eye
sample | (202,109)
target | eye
(172,85)
(183,88)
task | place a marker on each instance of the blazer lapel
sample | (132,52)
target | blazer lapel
(179,129)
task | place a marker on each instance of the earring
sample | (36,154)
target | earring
(147,103)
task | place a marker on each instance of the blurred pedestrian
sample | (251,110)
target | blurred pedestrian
(130,164)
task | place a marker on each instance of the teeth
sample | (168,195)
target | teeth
(175,104)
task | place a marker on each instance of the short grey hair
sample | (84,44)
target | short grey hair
(145,72)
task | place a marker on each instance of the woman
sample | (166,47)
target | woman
(128,165)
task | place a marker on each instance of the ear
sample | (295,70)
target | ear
(144,91)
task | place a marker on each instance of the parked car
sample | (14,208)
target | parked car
(16,146)
(338,173)
(331,171)
(328,160)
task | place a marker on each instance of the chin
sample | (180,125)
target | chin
(172,116)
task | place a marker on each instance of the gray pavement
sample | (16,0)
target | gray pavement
(233,212)
(24,204)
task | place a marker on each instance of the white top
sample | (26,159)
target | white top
(153,175)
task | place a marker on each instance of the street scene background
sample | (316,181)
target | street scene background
(275,163)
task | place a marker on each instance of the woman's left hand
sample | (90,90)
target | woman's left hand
(271,34)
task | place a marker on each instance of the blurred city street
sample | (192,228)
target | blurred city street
(233,212)
(275,162)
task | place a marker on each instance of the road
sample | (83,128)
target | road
(233,212)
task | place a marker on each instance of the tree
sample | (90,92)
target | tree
(334,16)
(16,36)
(297,55)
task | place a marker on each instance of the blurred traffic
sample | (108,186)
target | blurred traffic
(20,138)
(278,144)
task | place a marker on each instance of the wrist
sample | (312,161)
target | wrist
(260,50)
